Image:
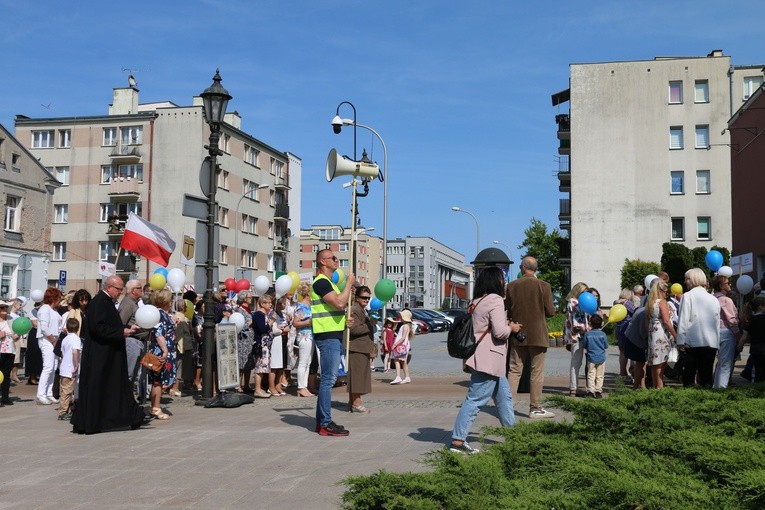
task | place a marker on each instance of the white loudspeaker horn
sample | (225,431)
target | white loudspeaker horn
(340,165)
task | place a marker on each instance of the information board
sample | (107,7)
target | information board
(228,361)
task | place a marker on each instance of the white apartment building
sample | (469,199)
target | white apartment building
(147,159)
(645,159)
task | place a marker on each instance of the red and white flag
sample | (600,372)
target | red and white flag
(147,240)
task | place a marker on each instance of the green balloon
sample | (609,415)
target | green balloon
(341,285)
(21,325)
(385,290)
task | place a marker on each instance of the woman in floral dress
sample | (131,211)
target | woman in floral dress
(261,345)
(661,332)
(163,344)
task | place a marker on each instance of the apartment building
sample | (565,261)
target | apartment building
(27,191)
(147,159)
(338,239)
(645,159)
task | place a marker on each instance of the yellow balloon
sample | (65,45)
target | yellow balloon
(189,309)
(676,289)
(295,281)
(2,378)
(617,313)
(157,281)
(340,275)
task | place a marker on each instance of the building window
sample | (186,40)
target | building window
(675,92)
(110,137)
(225,143)
(701,91)
(250,190)
(108,249)
(131,135)
(702,137)
(7,277)
(678,229)
(251,155)
(252,225)
(223,254)
(270,229)
(315,248)
(344,263)
(15,162)
(223,217)
(12,213)
(677,180)
(248,258)
(42,139)
(107,174)
(703,182)
(751,84)
(61,213)
(62,175)
(676,137)
(59,251)
(704,229)
(223,179)
(64,138)
(343,247)
(130,171)
(119,209)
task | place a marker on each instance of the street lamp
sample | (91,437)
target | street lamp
(215,100)
(510,276)
(477,228)
(236,223)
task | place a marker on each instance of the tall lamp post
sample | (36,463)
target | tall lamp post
(477,227)
(215,100)
(510,276)
(236,224)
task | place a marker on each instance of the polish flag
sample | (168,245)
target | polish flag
(147,240)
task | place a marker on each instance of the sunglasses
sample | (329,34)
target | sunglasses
(332,257)
(363,297)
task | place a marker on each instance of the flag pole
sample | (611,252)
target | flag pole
(353,257)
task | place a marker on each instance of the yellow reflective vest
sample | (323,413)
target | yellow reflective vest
(325,318)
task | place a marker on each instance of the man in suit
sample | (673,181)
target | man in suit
(529,301)
(106,399)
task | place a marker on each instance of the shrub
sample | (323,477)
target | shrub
(635,271)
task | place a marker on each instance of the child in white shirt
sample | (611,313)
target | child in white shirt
(69,370)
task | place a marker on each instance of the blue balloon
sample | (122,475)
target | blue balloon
(714,260)
(162,271)
(335,277)
(588,303)
(375,304)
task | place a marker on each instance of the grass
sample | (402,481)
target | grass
(671,449)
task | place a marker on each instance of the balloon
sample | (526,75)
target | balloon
(714,260)
(283,285)
(725,271)
(2,378)
(162,271)
(21,325)
(338,276)
(588,303)
(189,309)
(237,319)
(676,289)
(648,280)
(745,284)
(36,295)
(230,284)
(261,285)
(243,284)
(147,316)
(385,290)
(618,313)
(157,281)
(375,304)
(341,285)
(295,281)
(176,278)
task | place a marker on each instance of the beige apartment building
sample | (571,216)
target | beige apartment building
(645,159)
(27,192)
(147,159)
(338,239)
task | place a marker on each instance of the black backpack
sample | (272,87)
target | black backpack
(460,342)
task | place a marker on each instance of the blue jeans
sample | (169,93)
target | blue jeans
(726,357)
(482,388)
(329,359)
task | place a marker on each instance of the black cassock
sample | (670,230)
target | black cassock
(106,398)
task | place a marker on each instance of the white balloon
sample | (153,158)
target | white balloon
(176,278)
(36,295)
(648,280)
(237,319)
(261,285)
(147,316)
(745,284)
(283,285)
(725,271)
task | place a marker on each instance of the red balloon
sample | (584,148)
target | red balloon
(242,284)
(230,284)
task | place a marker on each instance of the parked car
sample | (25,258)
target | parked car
(438,315)
(435,322)
(420,327)
(454,312)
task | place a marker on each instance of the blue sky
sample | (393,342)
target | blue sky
(460,91)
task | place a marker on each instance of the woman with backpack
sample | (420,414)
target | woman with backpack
(488,376)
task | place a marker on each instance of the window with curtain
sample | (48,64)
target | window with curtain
(677,183)
(703,182)
(678,229)
(676,92)
(701,91)
(704,228)
(676,137)
(702,137)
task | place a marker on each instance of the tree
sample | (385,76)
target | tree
(635,271)
(543,245)
(676,259)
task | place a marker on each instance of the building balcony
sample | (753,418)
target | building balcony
(282,212)
(125,264)
(564,126)
(281,245)
(117,225)
(124,186)
(126,154)
(564,178)
(565,209)
(282,183)
(565,147)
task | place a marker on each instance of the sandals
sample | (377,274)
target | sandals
(174,393)
(358,409)
(157,413)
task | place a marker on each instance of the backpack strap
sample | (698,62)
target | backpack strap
(471,309)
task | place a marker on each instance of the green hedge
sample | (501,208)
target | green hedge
(655,449)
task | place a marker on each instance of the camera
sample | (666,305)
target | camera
(519,336)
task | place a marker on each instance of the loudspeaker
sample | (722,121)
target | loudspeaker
(342,165)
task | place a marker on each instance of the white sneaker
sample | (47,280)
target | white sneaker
(463,448)
(406,381)
(42,401)
(53,400)
(397,380)
(541,413)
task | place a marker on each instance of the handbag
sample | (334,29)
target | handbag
(460,342)
(151,361)
(673,356)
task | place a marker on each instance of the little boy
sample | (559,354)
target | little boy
(71,347)
(595,344)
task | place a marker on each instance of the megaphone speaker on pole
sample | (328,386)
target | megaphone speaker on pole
(342,165)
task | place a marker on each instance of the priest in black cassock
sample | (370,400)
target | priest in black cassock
(106,398)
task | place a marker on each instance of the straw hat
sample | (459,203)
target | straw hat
(406,315)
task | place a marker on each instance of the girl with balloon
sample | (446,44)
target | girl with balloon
(729,331)
(576,325)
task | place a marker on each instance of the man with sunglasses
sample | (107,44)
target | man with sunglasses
(328,322)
